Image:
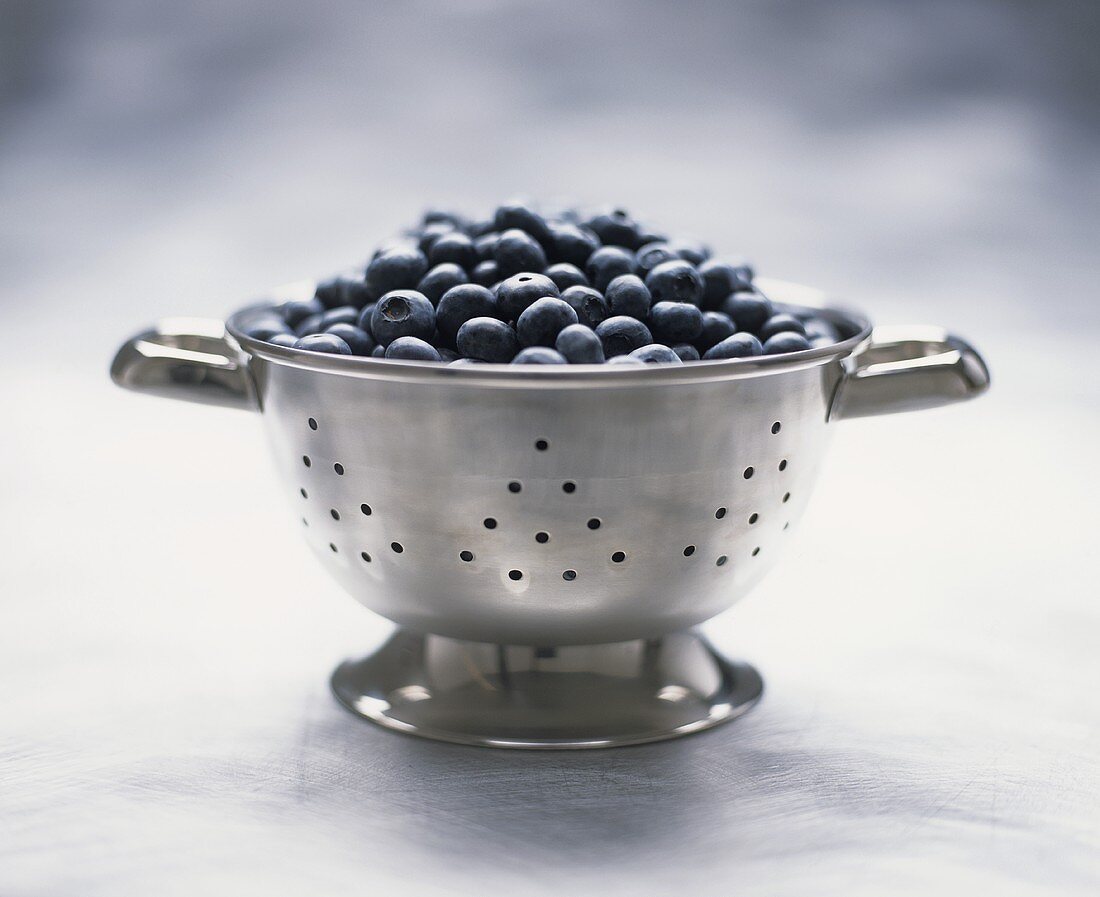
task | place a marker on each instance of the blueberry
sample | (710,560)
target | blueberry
(648,235)
(651,255)
(542,321)
(266,327)
(402,313)
(675,322)
(446,355)
(785,341)
(539,355)
(518,216)
(455,248)
(589,304)
(485,245)
(399,268)
(686,352)
(816,342)
(719,280)
(580,345)
(655,353)
(341,291)
(323,342)
(460,304)
(615,228)
(518,251)
(359,341)
(566,275)
(297,310)
(820,329)
(440,279)
(378,352)
(487,339)
(464,362)
(309,326)
(748,310)
(691,251)
(740,345)
(574,244)
(781,323)
(345,314)
(411,348)
(716,327)
(365,315)
(627,360)
(395,244)
(621,335)
(429,233)
(287,340)
(520,290)
(485,273)
(607,263)
(628,295)
(675,281)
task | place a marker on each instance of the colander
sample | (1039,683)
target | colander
(545,538)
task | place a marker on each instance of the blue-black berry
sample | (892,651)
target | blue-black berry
(359,341)
(573,244)
(518,251)
(266,327)
(345,314)
(455,248)
(485,273)
(785,341)
(487,339)
(686,352)
(716,327)
(655,353)
(781,323)
(621,335)
(539,355)
(342,291)
(607,263)
(517,215)
(540,323)
(399,268)
(461,303)
(566,275)
(297,310)
(440,279)
(748,310)
(402,313)
(520,290)
(651,255)
(740,345)
(720,279)
(286,340)
(323,342)
(628,295)
(411,348)
(675,281)
(589,304)
(675,322)
(615,228)
(579,344)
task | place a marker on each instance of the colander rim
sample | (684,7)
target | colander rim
(785,294)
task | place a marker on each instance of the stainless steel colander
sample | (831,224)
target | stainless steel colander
(545,538)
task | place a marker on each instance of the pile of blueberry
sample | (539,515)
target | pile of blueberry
(524,288)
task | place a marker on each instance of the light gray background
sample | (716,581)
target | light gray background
(930,647)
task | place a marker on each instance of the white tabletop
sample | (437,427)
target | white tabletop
(929,646)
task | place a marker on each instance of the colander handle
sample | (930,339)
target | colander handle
(909,368)
(186,358)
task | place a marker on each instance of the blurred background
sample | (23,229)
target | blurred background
(165,637)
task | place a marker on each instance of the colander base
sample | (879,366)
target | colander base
(509,696)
